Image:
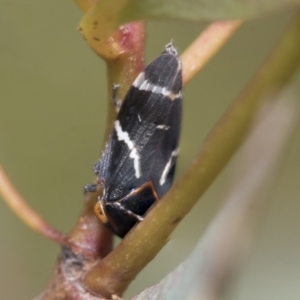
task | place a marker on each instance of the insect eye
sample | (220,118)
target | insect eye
(100,213)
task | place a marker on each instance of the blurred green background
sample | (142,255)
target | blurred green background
(52,114)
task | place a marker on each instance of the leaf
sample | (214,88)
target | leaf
(200,10)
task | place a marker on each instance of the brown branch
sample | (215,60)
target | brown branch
(89,240)
(30,217)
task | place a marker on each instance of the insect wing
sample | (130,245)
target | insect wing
(143,145)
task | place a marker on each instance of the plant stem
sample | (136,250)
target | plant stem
(113,274)
(205,47)
(30,217)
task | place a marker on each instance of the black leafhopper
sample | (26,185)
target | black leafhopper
(138,164)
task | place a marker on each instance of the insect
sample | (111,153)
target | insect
(137,166)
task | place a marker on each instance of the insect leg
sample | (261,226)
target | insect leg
(90,188)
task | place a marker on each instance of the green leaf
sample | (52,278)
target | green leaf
(200,10)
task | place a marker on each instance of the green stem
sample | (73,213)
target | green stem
(113,274)
(96,241)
